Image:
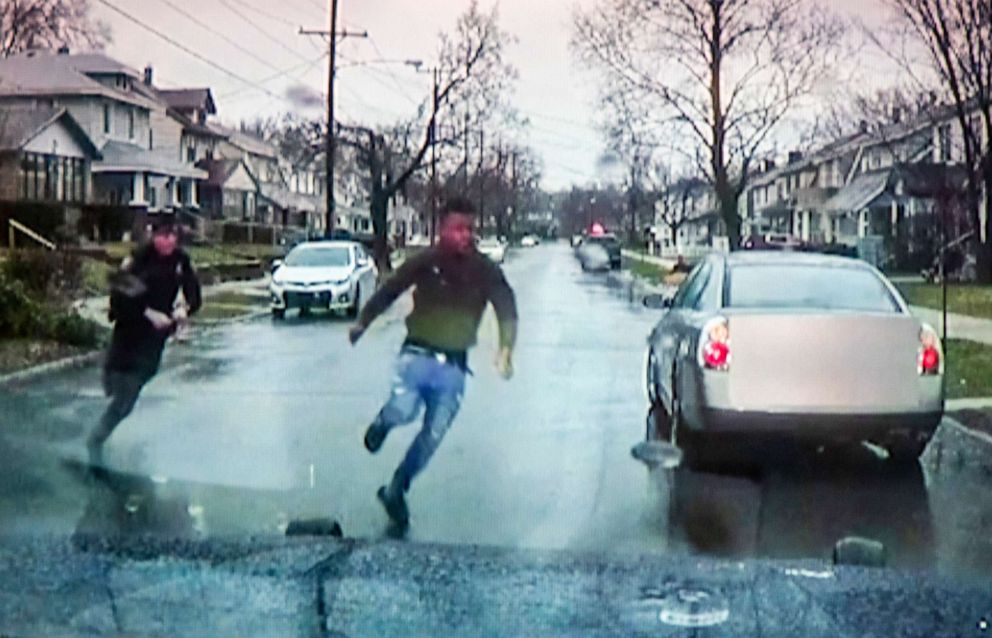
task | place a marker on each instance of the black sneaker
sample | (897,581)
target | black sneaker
(374,437)
(395,507)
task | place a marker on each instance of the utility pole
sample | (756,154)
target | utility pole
(513,186)
(436,73)
(465,135)
(482,180)
(330,143)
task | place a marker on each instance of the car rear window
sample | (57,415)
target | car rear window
(812,287)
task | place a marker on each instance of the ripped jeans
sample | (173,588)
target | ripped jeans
(427,382)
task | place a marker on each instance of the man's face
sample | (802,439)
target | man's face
(165,242)
(457,233)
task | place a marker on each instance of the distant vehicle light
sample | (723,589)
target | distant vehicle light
(597,229)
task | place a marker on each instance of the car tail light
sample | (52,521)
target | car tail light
(714,345)
(930,359)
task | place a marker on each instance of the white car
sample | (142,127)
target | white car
(336,275)
(493,248)
(529,241)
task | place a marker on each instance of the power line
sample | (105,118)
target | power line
(261,30)
(292,73)
(217,33)
(276,76)
(392,74)
(263,12)
(183,47)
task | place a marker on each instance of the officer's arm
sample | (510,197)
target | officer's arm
(191,286)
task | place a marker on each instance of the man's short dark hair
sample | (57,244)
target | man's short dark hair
(163,224)
(457,204)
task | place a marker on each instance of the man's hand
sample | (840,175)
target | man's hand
(159,320)
(355,333)
(504,363)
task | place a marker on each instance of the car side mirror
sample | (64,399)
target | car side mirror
(657,301)
(276,265)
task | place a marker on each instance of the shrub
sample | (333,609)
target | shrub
(45,274)
(74,330)
(20,315)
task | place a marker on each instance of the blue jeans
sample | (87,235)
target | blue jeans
(425,382)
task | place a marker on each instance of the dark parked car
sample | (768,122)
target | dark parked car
(609,251)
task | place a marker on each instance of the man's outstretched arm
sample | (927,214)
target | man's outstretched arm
(404,277)
(505,304)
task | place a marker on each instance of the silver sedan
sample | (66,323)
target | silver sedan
(765,345)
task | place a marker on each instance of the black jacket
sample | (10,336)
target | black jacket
(136,346)
(451,294)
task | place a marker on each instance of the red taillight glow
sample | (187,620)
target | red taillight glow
(714,350)
(716,355)
(929,360)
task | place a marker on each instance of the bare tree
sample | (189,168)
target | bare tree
(49,24)
(722,74)
(956,41)
(471,66)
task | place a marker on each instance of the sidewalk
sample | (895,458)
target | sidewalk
(958,326)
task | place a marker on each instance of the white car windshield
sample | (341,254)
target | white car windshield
(316,257)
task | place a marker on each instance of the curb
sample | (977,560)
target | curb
(964,429)
(51,367)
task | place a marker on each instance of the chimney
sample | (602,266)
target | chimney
(64,49)
(863,126)
(795,156)
(149,75)
(896,114)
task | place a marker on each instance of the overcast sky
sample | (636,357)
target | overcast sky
(553,92)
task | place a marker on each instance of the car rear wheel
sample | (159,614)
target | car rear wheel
(279,313)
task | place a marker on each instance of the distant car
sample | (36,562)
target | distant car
(529,241)
(790,345)
(336,275)
(601,252)
(772,241)
(493,248)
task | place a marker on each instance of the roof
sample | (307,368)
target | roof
(98,63)
(245,141)
(287,199)
(219,170)
(120,157)
(325,243)
(192,127)
(20,125)
(188,99)
(45,73)
(860,192)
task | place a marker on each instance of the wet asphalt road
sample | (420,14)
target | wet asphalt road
(258,424)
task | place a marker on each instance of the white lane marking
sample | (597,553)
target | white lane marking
(981,436)
(808,573)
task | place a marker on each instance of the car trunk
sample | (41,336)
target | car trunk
(823,362)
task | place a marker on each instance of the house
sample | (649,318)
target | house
(230,192)
(45,162)
(114,107)
(686,217)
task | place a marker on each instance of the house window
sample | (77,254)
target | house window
(151,139)
(106,118)
(130,124)
(191,153)
(944,143)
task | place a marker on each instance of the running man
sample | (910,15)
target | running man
(453,282)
